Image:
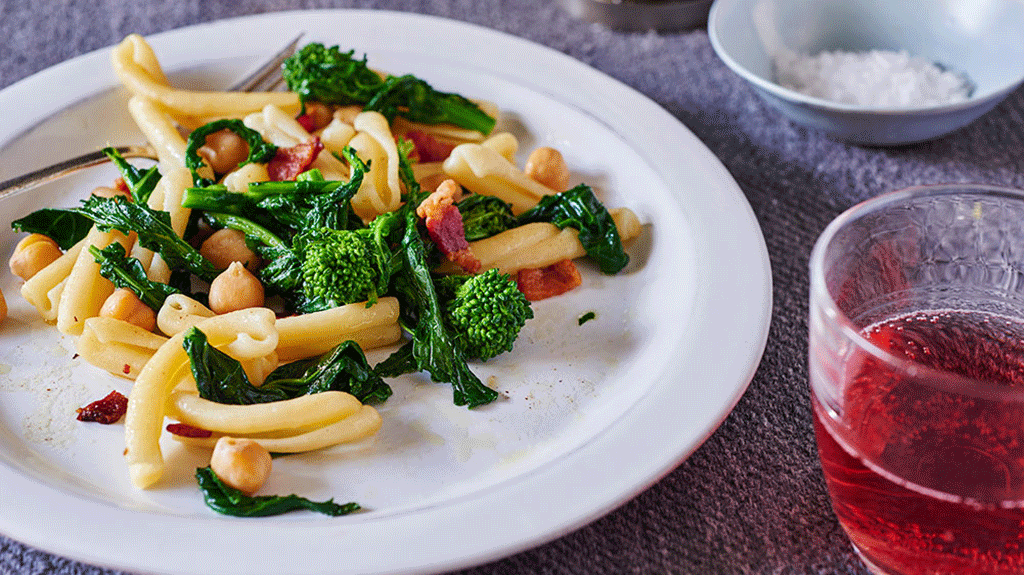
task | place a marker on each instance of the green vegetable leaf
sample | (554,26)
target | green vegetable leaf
(433,347)
(154,231)
(586,317)
(66,227)
(344,368)
(259,151)
(484,216)
(127,272)
(331,76)
(230,501)
(220,378)
(580,209)
(140,183)
(415,100)
(306,203)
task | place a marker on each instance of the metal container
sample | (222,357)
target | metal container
(642,15)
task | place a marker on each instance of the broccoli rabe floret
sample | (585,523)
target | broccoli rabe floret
(328,75)
(486,314)
(336,266)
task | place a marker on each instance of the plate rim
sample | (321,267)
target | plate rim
(756,287)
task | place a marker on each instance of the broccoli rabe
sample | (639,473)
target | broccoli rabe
(125,271)
(580,209)
(486,313)
(484,216)
(337,266)
(328,75)
(323,267)
(259,150)
(307,202)
(221,378)
(225,499)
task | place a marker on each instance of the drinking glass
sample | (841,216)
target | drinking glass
(916,362)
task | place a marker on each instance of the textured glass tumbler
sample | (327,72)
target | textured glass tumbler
(916,362)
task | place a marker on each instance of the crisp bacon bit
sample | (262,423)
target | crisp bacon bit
(542,283)
(185,430)
(290,162)
(445,194)
(450,236)
(428,148)
(108,410)
(444,225)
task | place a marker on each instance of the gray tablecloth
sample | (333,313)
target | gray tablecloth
(751,499)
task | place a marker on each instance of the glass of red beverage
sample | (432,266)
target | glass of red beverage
(916,361)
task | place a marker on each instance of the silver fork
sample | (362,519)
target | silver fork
(266,78)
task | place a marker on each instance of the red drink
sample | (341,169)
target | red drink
(943,488)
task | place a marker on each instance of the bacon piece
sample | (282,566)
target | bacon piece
(290,162)
(450,236)
(444,225)
(555,279)
(429,148)
(185,430)
(108,410)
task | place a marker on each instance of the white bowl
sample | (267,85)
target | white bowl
(983,39)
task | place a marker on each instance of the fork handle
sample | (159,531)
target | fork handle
(50,173)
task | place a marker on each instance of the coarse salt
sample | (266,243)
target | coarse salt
(881,78)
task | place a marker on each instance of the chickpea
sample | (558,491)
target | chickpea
(547,166)
(319,115)
(223,151)
(227,245)
(33,253)
(124,305)
(241,463)
(234,289)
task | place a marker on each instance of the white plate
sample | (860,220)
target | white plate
(590,415)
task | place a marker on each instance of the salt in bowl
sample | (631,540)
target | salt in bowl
(981,39)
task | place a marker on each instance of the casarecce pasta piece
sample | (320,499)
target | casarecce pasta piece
(363,423)
(244,334)
(137,68)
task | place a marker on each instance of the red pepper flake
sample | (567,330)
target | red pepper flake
(290,162)
(555,279)
(108,410)
(127,369)
(185,430)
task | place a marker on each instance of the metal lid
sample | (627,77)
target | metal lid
(641,15)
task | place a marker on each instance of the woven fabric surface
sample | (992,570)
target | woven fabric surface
(751,500)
